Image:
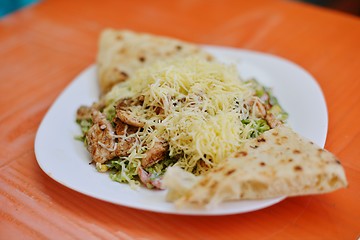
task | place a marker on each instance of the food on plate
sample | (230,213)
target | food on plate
(172,116)
(183,111)
(277,163)
(121,53)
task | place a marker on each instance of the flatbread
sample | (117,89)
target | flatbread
(278,163)
(121,53)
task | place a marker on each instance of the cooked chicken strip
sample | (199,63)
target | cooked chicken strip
(257,107)
(124,145)
(122,128)
(84,112)
(272,121)
(100,141)
(103,143)
(155,154)
(123,112)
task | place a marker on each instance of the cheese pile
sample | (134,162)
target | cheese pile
(198,107)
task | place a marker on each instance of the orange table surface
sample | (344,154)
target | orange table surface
(42,49)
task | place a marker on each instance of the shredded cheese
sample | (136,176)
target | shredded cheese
(194,105)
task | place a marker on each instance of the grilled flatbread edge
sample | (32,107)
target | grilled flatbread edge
(278,163)
(122,52)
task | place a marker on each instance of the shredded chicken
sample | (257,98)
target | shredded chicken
(272,121)
(100,141)
(257,107)
(84,112)
(260,110)
(104,143)
(124,145)
(155,154)
(123,111)
(124,129)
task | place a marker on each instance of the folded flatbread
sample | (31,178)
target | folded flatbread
(121,53)
(278,163)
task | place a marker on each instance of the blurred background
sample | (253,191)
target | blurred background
(9,6)
(347,6)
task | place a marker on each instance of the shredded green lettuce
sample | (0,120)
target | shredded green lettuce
(257,127)
(123,171)
(110,112)
(85,125)
(159,168)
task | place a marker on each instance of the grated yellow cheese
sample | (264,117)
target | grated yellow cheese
(195,105)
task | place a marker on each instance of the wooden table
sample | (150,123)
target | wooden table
(45,46)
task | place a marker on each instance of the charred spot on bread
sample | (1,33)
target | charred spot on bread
(241,154)
(296,151)
(334,180)
(213,185)
(230,172)
(298,168)
(124,74)
(121,51)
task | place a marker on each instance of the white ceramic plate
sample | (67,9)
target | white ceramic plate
(66,160)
